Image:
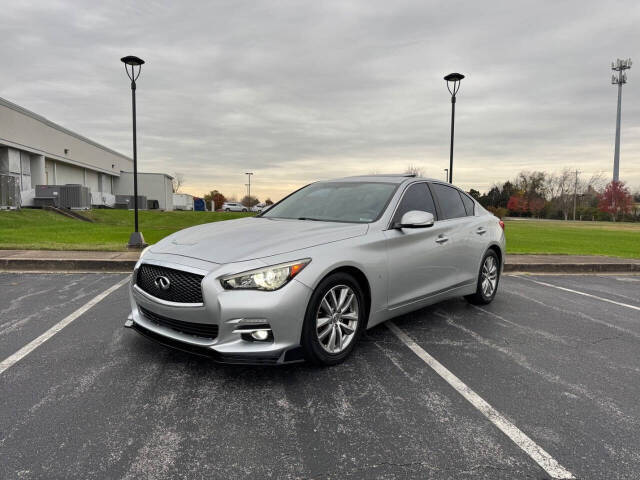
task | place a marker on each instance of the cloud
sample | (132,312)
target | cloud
(299,91)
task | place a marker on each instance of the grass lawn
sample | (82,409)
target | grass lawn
(574,238)
(38,229)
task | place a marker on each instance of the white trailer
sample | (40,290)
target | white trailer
(182,201)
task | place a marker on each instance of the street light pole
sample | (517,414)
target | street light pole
(136,240)
(248,174)
(453,85)
(619,66)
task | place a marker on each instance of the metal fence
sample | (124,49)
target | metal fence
(9,191)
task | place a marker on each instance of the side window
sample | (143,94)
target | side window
(449,200)
(417,197)
(469,205)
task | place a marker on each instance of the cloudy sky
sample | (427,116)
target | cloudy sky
(298,91)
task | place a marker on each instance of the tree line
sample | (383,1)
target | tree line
(218,198)
(563,195)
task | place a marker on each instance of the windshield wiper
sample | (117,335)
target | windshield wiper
(310,219)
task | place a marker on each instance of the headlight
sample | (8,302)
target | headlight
(267,278)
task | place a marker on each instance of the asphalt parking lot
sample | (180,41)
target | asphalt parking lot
(95,400)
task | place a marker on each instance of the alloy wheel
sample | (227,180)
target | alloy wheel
(489,276)
(337,319)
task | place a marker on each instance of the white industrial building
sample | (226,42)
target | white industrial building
(36,151)
(40,152)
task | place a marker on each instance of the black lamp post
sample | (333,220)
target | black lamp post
(136,240)
(453,85)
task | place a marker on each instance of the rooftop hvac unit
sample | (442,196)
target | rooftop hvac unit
(126,202)
(74,196)
(9,192)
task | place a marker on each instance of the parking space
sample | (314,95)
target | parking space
(99,401)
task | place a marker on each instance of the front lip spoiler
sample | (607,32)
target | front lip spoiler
(292,355)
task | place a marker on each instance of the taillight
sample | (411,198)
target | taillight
(501,224)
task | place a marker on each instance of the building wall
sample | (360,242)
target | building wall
(155,186)
(32,133)
(66,173)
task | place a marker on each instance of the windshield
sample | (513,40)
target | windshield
(353,202)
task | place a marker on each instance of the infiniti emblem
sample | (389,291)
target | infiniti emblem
(162,283)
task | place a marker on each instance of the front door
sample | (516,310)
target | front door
(418,258)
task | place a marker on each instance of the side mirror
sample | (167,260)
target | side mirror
(416,219)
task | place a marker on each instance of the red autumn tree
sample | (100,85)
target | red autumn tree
(535,205)
(615,200)
(517,203)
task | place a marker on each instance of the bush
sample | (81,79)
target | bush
(498,211)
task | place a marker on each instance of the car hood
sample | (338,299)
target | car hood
(251,238)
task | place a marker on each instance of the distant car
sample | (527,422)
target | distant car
(233,207)
(259,207)
(306,277)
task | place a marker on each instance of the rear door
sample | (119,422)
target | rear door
(464,243)
(418,261)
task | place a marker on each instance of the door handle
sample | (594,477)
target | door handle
(442,239)
(481,230)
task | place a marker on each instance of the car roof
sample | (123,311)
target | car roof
(387,178)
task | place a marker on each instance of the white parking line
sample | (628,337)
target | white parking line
(578,292)
(31,346)
(537,453)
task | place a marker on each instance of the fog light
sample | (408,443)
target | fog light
(260,335)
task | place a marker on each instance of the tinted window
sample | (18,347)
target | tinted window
(356,202)
(417,197)
(469,205)
(449,200)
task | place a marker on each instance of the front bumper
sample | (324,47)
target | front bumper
(283,310)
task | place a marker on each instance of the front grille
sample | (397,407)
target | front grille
(183,287)
(204,330)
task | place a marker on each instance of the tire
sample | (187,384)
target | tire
(227,209)
(489,271)
(316,341)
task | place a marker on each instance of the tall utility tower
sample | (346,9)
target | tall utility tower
(618,79)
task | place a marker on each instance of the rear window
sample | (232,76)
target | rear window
(449,200)
(469,204)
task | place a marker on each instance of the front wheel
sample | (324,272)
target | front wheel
(335,317)
(488,279)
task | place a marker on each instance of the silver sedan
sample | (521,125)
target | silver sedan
(306,277)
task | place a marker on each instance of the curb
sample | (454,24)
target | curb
(66,265)
(572,267)
(126,266)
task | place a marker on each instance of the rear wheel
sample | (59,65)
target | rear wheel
(335,317)
(488,279)
(227,209)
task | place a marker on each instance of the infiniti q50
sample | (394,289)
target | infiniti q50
(307,276)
